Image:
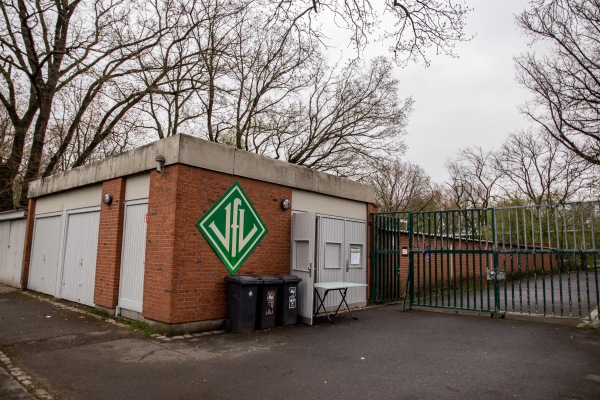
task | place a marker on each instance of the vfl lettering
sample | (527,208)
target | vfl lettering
(235,230)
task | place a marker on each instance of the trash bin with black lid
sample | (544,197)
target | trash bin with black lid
(287,306)
(242,298)
(266,313)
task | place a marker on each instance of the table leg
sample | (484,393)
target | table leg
(343,292)
(322,304)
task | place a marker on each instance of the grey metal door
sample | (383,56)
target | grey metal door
(356,259)
(131,288)
(341,256)
(331,260)
(81,247)
(43,267)
(303,261)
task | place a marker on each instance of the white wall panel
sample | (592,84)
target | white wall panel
(131,288)
(137,187)
(328,205)
(88,196)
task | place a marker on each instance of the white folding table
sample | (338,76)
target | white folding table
(342,288)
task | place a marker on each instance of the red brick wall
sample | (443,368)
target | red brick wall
(28,243)
(110,242)
(184,278)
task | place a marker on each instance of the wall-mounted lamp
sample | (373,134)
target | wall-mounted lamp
(160,163)
(286,204)
(107,199)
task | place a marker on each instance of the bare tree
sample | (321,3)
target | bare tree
(535,166)
(412,27)
(565,84)
(473,178)
(343,121)
(403,186)
(271,63)
(47,46)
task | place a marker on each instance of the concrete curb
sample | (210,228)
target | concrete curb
(16,384)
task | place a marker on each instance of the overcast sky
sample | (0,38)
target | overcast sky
(469,101)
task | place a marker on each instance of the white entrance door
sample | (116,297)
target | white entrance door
(303,261)
(131,288)
(81,248)
(43,266)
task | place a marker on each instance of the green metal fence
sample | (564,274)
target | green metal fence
(537,260)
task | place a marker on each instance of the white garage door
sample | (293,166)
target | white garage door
(12,238)
(131,288)
(43,267)
(81,247)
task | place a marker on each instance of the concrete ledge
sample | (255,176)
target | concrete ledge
(105,310)
(189,327)
(212,156)
(12,215)
(133,315)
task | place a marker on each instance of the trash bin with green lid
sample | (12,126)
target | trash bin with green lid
(287,306)
(242,298)
(266,313)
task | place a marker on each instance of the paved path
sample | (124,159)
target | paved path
(385,354)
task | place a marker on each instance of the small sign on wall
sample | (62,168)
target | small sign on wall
(405,251)
(355,255)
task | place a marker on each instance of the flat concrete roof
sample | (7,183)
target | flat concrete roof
(193,151)
(12,215)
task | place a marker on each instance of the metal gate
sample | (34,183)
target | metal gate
(535,260)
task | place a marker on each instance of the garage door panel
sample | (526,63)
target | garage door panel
(14,259)
(81,247)
(43,268)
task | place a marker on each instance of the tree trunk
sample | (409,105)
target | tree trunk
(37,145)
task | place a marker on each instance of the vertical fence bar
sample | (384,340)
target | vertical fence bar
(411,254)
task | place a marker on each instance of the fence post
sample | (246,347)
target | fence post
(496,265)
(411,260)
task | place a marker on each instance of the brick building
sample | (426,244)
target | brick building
(120,234)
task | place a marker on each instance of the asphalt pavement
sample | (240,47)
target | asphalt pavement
(62,353)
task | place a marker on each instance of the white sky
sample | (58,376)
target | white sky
(469,101)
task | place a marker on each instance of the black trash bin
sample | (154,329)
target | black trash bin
(287,306)
(242,297)
(266,314)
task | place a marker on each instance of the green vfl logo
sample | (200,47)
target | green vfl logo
(232,227)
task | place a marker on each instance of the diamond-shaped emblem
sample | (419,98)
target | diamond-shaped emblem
(232,227)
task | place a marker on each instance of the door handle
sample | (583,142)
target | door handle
(309,269)
(347,265)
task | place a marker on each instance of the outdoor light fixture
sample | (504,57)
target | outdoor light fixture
(107,199)
(286,204)
(160,163)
